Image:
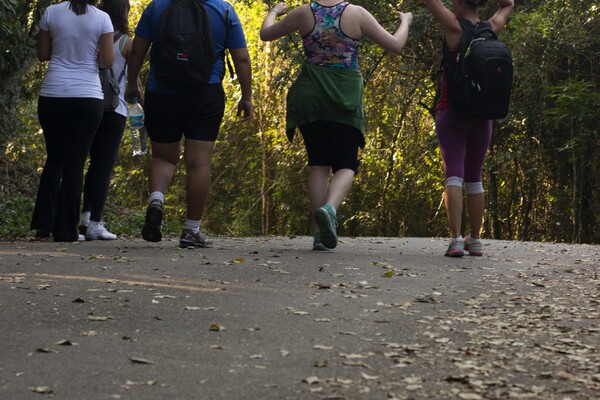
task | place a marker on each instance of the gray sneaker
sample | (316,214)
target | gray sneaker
(189,238)
(154,214)
(456,248)
(473,246)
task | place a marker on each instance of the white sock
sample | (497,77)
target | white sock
(157,196)
(84,220)
(192,224)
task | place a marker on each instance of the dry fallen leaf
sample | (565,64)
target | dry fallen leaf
(137,360)
(97,318)
(42,389)
(66,343)
(216,327)
(311,380)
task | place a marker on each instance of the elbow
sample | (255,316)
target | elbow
(396,48)
(265,36)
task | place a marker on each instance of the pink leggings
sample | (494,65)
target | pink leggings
(463,144)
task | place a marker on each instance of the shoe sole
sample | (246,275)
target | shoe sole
(191,244)
(92,238)
(319,247)
(151,230)
(327,228)
(475,253)
(454,253)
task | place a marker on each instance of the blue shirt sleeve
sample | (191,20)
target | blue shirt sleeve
(144,26)
(236,39)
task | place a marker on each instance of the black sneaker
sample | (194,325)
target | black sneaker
(43,234)
(189,238)
(154,214)
(82,229)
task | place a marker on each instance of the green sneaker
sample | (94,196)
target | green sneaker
(327,223)
(317,244)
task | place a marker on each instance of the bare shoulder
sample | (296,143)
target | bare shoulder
(358,13)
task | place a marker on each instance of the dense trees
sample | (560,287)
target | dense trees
(542,176)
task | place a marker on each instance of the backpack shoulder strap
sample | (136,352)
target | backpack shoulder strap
(484,29)
(465,39)
(118,36)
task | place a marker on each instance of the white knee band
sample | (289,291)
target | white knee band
(454,181)
(474,187)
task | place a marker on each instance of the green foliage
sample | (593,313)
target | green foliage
(541,176)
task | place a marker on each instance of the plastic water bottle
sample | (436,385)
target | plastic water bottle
(139,138)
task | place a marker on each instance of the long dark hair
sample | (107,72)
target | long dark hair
(476,3)
(118,11)
(79,6)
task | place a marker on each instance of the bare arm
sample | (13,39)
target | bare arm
(135,60)
(106,53)
(445,17)
(44,45)
(271,29)
(371,29)
(501,16)
(243,70)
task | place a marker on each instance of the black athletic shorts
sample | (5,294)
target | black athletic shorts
(196,114)
(331,144)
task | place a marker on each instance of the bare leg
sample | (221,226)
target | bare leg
(318,184)
(197,156)
(162,165)
(454,203)
(475,207)
(339,187)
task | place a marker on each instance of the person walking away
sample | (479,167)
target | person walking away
(325,101)
(463,141)
(195,110)
(74,37)
(105,146)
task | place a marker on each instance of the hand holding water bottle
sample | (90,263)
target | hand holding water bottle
(139,138)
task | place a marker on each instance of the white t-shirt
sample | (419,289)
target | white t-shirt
(73,67)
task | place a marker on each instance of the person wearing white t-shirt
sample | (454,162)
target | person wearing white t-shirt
(74,37)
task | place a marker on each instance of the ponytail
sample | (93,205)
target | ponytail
(79,6)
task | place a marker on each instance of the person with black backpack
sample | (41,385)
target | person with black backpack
(184,97)
(104,149)
(470,88)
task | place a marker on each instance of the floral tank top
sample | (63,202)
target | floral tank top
(327,45)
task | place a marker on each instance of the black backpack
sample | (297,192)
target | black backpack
(110,85)
(184,51)
(480,82)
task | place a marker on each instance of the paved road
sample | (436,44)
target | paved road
(266,318)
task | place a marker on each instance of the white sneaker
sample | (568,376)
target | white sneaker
(97,231)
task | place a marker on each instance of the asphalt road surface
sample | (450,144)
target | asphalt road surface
(267,318)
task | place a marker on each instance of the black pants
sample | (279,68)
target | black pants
(103,155)
(69,125)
